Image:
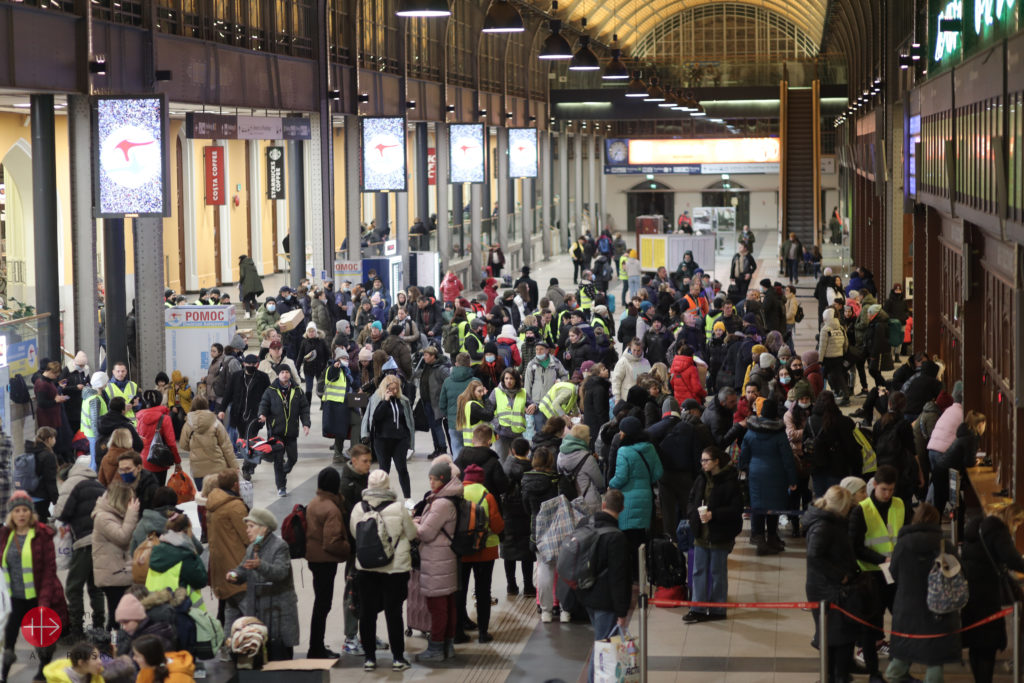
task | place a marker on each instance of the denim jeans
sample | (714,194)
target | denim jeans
(634,285)
(713,564)
(436,429)
(92,452)
(456,438)
(793,270)
(538,421)
(603,622)
(898,670)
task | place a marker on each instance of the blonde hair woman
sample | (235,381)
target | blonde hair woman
(472,410)
(961,454)
(388,427)
(120,442)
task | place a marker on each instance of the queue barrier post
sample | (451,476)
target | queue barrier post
(1016,642)
(823,640)
(642,604)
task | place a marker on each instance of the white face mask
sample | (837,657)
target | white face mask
(805,406)
(541,356)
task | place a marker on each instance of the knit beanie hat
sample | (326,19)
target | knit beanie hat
(785,353)
(99,380)
(719,325)
(473,474)
(329,480)
(801,389)
(757,350)
(19,498)
(670,406)
(262,517)
(873,310)
(631,426)
(365,354)
(809,358)
(379,479)
(587,364)
(943,400)
(770,409)
(853,484)
(129,609)
(442,471)
(766,361)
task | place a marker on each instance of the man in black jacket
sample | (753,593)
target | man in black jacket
(741,270)
(531,287)
(772,311)
(921,388)
(115,419)
(718,418)
(607,602)
(282,408)
(430,318)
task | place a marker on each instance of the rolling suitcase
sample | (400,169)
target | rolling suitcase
(417,616)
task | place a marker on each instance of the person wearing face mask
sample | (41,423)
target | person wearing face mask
(541,374)
(267,316)
(336,415)
(779,387)
(631,365)
(798,409)
(282,408)
(78,375)
(114,517)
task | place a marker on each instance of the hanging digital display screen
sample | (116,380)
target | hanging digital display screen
(522,152)
(466,153)
(130,161)
(383,150)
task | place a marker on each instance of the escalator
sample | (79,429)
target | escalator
(799,170)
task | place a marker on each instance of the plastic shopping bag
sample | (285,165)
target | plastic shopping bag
(62,542)
(617,659)
(182,485)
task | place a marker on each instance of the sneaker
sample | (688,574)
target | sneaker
(530,592)
(883,649)
(545,616)
(323,653)
(369,665)
(282,492)
(248,315)
(694,617)
(400,665)
(565,616)
(512,591)
(858,656)
(382,645)
(353,647)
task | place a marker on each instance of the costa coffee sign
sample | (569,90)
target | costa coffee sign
(214,156)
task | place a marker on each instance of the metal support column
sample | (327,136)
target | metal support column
(544,224)
(422,181)
(578,148)
(504,208)
(459,218)
(595,207)
(529,203)
(296,213)
(602,198)
(83,230)
(444,235)
(401,231)
(149,303)
(381,205)
(44,224)
(115,308)
(563,193)
(324,124)
(353,197)
(476,191)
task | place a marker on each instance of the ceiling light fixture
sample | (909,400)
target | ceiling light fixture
(655,93)
(616,70)
(584,59)
(700,111)
(503,17)
(555,46)
(423,8)
(636,87)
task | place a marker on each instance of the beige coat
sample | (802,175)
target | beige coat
(228,540)
(207,442)
(111,538)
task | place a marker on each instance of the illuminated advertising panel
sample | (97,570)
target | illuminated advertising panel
(704,151)
(130,162)
(522,152)
(383,149)
(466,153)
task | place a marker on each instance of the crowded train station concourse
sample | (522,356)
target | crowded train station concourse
(511,340)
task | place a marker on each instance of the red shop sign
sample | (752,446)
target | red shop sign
(431,166)
(214,157)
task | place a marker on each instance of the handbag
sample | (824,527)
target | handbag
(616,658)
(160,454)
(947,586)
(182,485)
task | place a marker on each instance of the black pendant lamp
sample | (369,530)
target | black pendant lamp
(555,46)
(616,70)
(636,87)
(423,8)
(503,17)
(584,59)
(655,93)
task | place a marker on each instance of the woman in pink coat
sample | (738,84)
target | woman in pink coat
(684,377)
(439,565)
(451,287)
(944,433)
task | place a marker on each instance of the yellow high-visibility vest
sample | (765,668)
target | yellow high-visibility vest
(881,536)
(511,414)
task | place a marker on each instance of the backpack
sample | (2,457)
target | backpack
(293,531)
(209,633)
(947,587)
(450,340)
(374,545)
(567,482)
(799,315)
(472,524)
(185,626)
(576,556)
(505,353)
(140,559)
(665,566)
(895,332)
(867,451)
(604,244)
(19,390)
(26,473)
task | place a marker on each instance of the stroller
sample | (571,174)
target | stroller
(255,450)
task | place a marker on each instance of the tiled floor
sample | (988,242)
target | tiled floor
(751,646)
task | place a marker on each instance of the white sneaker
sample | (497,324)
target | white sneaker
(545,616)
(248,315)
(564,616)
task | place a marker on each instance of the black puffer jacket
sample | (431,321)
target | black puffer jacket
(284,409)
(719,421)
(515,540)
(537,487)
(725,506)
(596,396)
(986,581)
(830,562)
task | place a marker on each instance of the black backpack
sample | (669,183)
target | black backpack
(567,481)
(374,545)
(19,390)
(450,340)
(665,567)
(472,525)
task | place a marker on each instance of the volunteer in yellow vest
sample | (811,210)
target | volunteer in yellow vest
(623,278)
(336,415)
(94,406)
(30,567)
(473,344)
(173,563)
(586,291)
(509,401)
(120,385)
(481,563)
(473,410)
(561,399)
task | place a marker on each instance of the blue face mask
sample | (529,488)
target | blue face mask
(128,477)
(489,358)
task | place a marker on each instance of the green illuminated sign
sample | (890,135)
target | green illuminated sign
(947,43)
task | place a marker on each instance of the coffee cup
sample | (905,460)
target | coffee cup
(702,510)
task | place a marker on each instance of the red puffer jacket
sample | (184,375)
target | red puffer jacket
(49,591)
(685,380)
(148,420)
